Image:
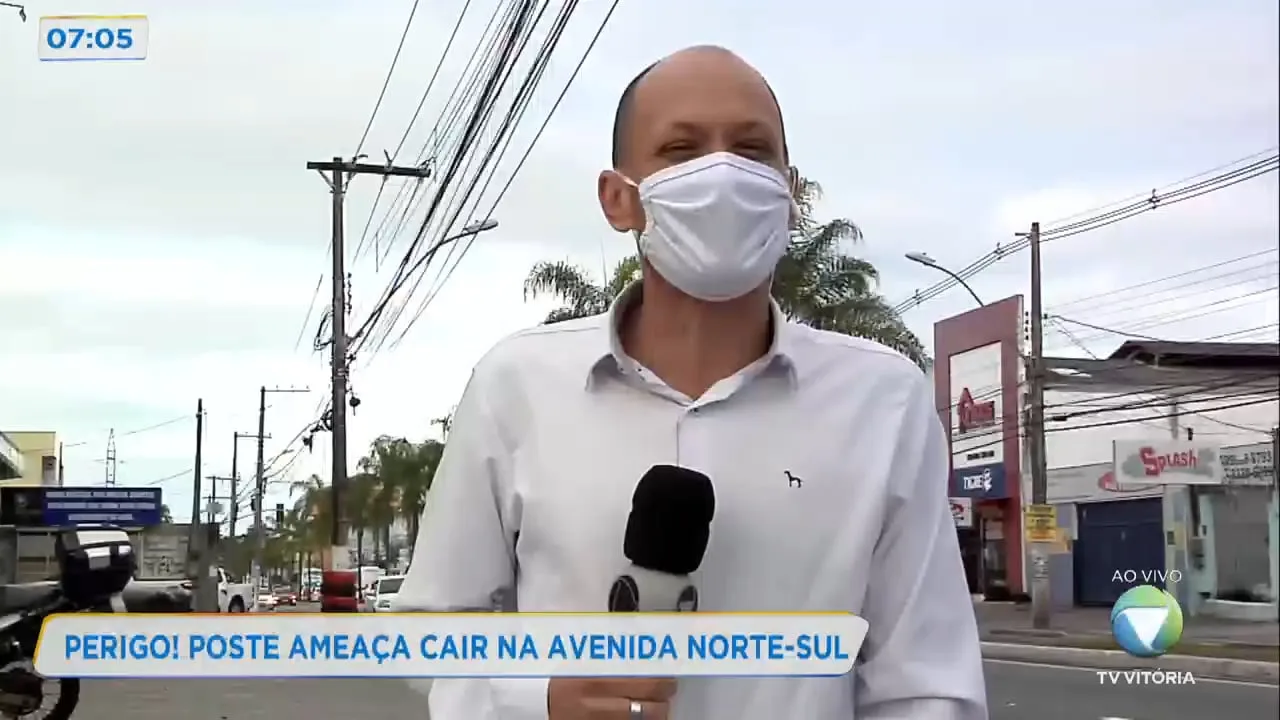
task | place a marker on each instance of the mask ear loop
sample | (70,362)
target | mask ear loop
(635,186)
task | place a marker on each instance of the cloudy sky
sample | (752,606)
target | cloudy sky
(160,239)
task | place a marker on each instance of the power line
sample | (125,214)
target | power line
(1125,421)
(1252,170)
(377,105)
(167,478)
(518,26)
(520,164)
(1127,292)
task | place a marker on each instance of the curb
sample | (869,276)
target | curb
(1221,668)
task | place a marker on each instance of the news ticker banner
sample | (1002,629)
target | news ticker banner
(431,645)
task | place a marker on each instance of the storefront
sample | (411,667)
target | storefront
(1110,526)
(970,536)
(976,390)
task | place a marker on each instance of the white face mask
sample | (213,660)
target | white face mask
(715,226)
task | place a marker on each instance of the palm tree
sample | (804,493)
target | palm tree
(574,288)
(413,494)
(817,283)
(313,512)
(361,491)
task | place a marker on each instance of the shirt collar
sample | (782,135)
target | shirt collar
(612,358)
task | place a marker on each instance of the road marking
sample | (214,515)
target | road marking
(1199,679)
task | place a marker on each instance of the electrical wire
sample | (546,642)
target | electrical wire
(167,478)
(315,295)
(1114,423)
(498,150)
(528,151)
(1179,192)
(1202,310)
(406,206)
(395,59)
(515,33)
(157,426)
(1128,290)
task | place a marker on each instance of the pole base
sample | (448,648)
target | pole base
(339,558)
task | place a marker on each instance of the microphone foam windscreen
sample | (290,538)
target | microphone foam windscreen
(670,522)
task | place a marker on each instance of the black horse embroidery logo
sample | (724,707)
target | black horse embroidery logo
(792,480)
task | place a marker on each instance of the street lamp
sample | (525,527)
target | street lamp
(474,228)
(924,259)
(22,11)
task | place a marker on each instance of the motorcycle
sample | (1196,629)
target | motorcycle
(96,566)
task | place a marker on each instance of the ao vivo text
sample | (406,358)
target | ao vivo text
(1147,577)
(1145,677)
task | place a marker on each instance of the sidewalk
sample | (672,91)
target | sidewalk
(1011,622)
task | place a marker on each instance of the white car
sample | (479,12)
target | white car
(266,601)
(385,592)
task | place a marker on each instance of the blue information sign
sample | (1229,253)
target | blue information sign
(128,507)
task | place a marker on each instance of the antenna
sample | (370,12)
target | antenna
(110,461)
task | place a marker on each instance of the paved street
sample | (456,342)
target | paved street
(1041,692)
(249,700)
(1015,692)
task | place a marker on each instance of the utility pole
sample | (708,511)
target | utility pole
(194,545)
(1041,598)
(202,538)
(211,514)
(214,497)
(234,511)
(260,480)
(339,173)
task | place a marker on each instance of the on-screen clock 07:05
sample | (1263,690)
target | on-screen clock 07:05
(93,37)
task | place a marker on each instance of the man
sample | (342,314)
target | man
(828,459)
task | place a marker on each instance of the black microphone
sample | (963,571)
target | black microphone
(667,535)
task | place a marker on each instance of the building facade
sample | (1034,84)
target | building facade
(1210,534)
(29,458)
(11,464)
(978,378)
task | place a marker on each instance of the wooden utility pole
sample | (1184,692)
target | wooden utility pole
(194,538)
(203,534)
(339,173)
(1041,596)
(260,480)
(234,510)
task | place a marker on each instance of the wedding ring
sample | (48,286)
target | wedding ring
(637,710)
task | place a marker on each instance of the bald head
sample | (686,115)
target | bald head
(693,77)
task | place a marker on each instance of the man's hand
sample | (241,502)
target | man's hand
(609,698)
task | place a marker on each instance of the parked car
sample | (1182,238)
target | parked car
(233,597)
(386,591)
